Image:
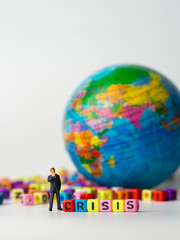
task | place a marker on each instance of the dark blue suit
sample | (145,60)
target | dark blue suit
(55,188)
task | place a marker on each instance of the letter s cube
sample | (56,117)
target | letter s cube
(131,205)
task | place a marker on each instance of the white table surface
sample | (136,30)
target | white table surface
(155,220)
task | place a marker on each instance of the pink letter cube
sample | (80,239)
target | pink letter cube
(27,199)
(131,205)
(106,205)
(77,195)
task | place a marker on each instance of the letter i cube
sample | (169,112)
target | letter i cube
(16,193)
(159,195)
(131,205)
(1,198)
(93,205)
(118,205)
(27,199)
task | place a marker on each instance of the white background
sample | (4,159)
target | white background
(48,47)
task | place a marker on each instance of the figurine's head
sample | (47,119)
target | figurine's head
(52,170)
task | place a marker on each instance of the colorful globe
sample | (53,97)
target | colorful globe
(122,127)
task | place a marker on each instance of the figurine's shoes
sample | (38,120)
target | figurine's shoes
(50,209)
(60,209)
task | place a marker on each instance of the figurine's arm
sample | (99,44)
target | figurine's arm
(50,178)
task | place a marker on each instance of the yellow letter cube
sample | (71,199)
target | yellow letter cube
(93,205)
(147,195)
(118,205)
(16,193)
(44,186)
(55,198)
(105,194)
(90,189)
(40,198)
(34,186)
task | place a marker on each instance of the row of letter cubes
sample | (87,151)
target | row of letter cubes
(36,198)
(17,194)
(104,205)
(84,205)
(6,183)
(146,195)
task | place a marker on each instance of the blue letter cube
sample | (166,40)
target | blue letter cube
(81,205)
(65,196)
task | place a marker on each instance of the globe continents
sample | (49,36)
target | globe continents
(122,127)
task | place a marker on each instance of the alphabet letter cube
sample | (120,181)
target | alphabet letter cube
(131,205)
(118,205)
(77,195)
(68,205)
(65,196)
(34,186)
(5,192)
(88,196)
(16,193)
(5,183)
(147,195)
(171,194)
(106,205)
(27,199)
(44,186)
(90,190)
(101,188)
(121,194)
(40,198)
(93,205)
(32,191)
(23,186)
(71,190)
(54,198)
(134,193)
(16,183)
(1,198)
(159,195)
(81,205)
(105,194)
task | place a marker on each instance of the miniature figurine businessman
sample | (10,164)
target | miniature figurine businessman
(55,181)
